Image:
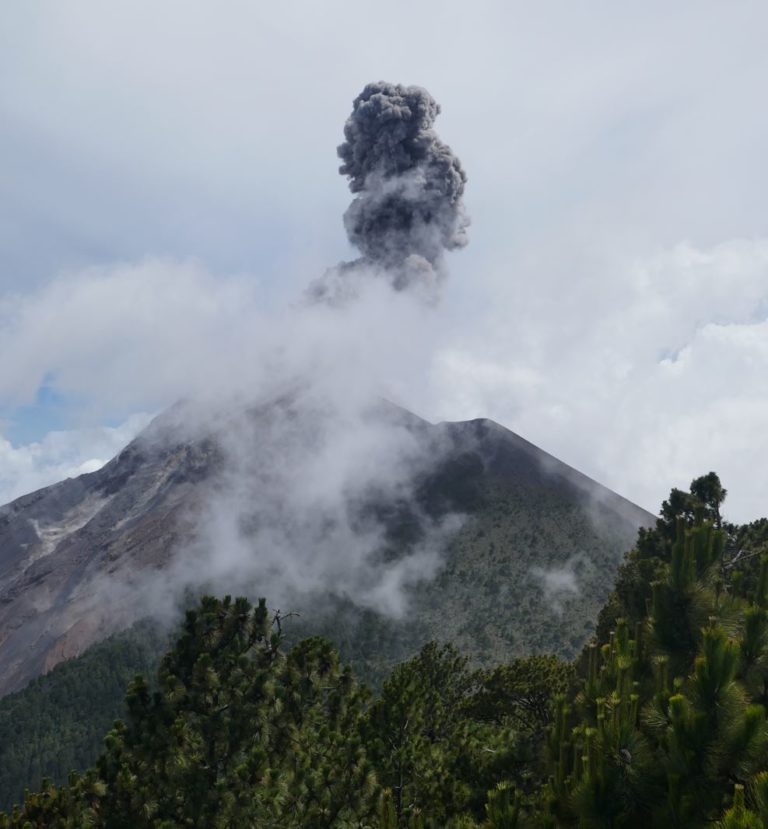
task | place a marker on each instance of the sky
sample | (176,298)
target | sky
(170,185)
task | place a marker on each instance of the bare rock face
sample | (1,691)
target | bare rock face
(66,549)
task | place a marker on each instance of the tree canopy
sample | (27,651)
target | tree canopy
(661,721)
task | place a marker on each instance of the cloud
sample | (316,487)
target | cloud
(60,455)
(610,307)
(560,584)
(302,501)
(143,335)
(643,374)
(290,399)
(130,335)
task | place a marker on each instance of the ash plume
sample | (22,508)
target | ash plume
(408,188)
(309,489)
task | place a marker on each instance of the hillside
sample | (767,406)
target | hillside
(527,572)
(58,722)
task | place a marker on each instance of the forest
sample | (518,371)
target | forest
(659,721)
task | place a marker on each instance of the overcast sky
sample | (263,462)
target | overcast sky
(169,178)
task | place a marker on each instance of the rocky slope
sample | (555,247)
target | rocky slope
(58,544)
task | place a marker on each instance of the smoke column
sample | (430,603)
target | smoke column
(408,188)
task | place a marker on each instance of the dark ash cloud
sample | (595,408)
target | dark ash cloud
(408,188)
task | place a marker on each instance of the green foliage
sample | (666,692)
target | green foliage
(664,729)
(503,808)
(486,601)
(521,691)
(237,734)
(660,722)
(58,722)
(434,758)
(240,733)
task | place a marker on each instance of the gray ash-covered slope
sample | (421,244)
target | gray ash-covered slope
(528,569)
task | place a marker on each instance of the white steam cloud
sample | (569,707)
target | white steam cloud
(561,584)
(316,472)
(310,488)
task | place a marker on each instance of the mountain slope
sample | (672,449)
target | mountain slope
(58,722)
(58,544)
(527,572)
(538,557)
(538,539)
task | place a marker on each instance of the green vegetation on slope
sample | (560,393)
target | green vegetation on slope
(58,722)
(489,599)
(494,577)
(240,733)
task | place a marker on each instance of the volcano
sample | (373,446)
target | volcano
(526,569)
